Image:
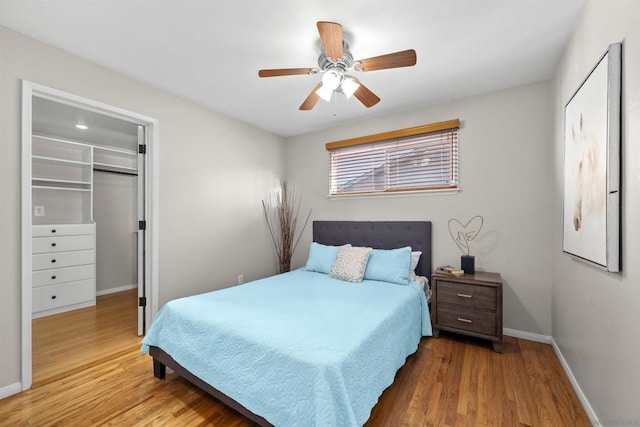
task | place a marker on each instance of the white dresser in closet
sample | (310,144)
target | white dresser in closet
(63,268)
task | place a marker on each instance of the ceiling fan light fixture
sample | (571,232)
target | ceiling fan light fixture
(330,82)
(349,86)
(325,92)
(331,79)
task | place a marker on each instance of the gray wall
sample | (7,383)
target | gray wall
(115,214)
(214,171)
(504,176)
(596,315)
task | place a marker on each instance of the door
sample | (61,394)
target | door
(142,222)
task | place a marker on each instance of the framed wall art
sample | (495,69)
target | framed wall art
(592,132)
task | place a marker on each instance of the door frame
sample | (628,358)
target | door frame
(151,177)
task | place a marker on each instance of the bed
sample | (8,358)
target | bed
(299,348)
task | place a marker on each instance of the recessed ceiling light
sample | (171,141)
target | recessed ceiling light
(81,126)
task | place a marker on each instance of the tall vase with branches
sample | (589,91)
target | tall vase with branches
(281,212)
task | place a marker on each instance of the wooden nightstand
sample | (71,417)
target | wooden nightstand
(469,305)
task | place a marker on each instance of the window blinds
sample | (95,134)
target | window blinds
(418,162)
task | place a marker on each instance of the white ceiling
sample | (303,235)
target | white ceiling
(210,51)
(55,119)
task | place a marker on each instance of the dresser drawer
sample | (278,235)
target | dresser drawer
(62,275)
(63,243)
(62,229)
(56,296)
(467,295)
(467,319)
(62,259)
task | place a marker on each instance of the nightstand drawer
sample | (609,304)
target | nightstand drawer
(482,322)
(467,295)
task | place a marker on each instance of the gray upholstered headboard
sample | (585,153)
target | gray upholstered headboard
(379,235)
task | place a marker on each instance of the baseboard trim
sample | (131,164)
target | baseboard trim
(546,339)
(576,386)
(527,335)
(114,290)
(10,390)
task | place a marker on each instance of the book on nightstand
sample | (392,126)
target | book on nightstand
(447,270)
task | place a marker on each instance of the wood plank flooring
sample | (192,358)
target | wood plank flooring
(449,381)
(75,339)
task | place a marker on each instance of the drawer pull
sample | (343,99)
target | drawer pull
(461,319)
(53,245)
(53,297)
(54,277)
(53,231)
(465,296)
(53,261)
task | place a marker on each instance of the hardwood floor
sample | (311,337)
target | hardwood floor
(449,381)
(76,339)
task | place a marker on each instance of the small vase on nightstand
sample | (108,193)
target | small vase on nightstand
(468,264)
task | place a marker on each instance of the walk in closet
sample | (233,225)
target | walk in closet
(89,230)
(85,192)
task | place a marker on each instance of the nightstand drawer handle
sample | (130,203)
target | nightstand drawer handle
(465,296)
(465,320)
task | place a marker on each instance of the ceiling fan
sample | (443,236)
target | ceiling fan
(335,62)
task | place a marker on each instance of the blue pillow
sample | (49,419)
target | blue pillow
(389,265)
(321,257)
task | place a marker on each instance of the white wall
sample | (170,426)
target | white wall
(596,315)
(504,176)
(214,171)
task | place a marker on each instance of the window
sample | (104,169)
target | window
(414,159)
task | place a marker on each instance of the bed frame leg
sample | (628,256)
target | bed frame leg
(159,369)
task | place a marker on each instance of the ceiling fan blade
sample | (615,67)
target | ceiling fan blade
(286,72)
(364,95)
(312,99)
(406,58)
(331,36)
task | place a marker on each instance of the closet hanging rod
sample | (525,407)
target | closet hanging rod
(114,171)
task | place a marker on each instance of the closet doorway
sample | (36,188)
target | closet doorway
(89,215)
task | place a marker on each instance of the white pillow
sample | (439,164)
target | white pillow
(350,264)
(415,257)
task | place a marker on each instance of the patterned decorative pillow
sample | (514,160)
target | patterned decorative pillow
(350,264)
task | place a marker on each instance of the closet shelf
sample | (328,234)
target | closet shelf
(108,167)
(60,181)
(61,141)
(122,151)
(56,160)
(55,187)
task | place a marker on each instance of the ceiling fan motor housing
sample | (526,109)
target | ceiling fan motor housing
(344,63)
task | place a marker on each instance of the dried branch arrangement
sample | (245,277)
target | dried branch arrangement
(281,213)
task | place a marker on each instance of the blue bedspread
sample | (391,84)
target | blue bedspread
(300,348)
